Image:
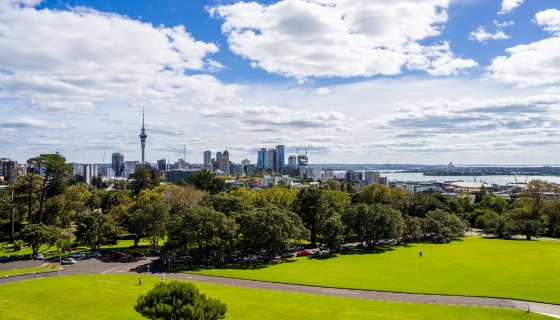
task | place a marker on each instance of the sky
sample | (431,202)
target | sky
(350,81)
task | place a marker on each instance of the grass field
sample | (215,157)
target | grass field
(472,266)
(113,297)
(26,270)
(125,246)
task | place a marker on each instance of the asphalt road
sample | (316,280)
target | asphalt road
(94,266)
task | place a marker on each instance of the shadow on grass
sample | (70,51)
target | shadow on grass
(257,265)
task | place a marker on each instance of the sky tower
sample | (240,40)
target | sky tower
(143,136)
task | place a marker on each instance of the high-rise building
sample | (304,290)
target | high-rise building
(143,136)
(207,158)
(371,177)
(272,158)
(262,160)
(162,165)
(8,168)
(118,164)
(292,161)
(224,163)
(281,157)
(219,160)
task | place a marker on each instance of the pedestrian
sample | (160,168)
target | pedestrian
(420,254)
(162,279)
(139,281)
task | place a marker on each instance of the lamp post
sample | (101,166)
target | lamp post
(527,298)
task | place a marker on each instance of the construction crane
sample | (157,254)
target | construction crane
(103,157)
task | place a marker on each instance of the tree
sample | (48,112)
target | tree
(374,222)
(207,181)
(202,228)
(95,230)
(375,193)
(537,191)
(181,198)
(442,226)
(271,228)
(313,208)
(37,235)
(332,230)
(149,222)
(179,301)
(56,174)
(140,180)
(7,199)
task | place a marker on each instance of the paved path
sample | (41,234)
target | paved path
(96,267)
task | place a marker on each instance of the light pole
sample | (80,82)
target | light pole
(527,298)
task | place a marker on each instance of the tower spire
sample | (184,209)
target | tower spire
(143,136)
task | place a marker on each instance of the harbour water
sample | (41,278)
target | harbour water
(500,180)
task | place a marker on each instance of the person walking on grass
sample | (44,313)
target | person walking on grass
(420,254)
(139,281)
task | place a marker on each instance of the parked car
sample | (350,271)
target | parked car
(251,258)
(67,261)
(27,257)
(155,253)
(136,254)
(94,255)
(287,255)
(118,254)
(77,256)
(3,259)
(303,253)
(39,256)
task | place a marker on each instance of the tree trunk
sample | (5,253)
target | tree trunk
(12,223)
(136,240)
(43,198)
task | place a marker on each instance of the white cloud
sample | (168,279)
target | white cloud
(533,64)
(550,19)
(529,65)
(87,54)
(510,5)
(481,35)
(27,123)
(322,91)
(341,38)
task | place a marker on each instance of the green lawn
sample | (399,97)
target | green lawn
(26,270)
(471,266)
(125,246)
(113,297)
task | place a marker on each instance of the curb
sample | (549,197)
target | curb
(29,273)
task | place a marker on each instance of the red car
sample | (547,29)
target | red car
(303,253)
(118,254)
(136,254)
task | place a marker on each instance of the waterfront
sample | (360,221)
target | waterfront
(494,179)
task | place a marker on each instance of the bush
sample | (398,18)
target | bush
(179,300)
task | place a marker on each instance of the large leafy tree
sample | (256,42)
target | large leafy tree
(181,198)
(537,191)
(443,226)
(56,174)
(374,222)
(37,235)
(207,181)
(179,301)
(95,230)
(202,230)
(332,230)
(149,222)
(271,228)
(313,208)
(140,180)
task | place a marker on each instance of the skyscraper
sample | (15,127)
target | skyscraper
(118,164)
(281,157)
(207,158)
(272,158)
(143,136)
(224,163)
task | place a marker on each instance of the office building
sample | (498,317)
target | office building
(281,157)
(118,164)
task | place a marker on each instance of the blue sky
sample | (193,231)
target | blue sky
(403,81)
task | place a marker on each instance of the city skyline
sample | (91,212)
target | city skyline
(472,82)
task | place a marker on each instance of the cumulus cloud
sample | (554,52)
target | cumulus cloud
(510,5)
(322,91)
(339,38)
(533,64)
(100,56)
(481,35)
(550,19)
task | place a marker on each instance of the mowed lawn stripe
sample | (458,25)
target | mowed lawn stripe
(472,266)
(113,297)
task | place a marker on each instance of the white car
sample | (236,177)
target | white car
(39,257)
(67,261)
(250,259)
